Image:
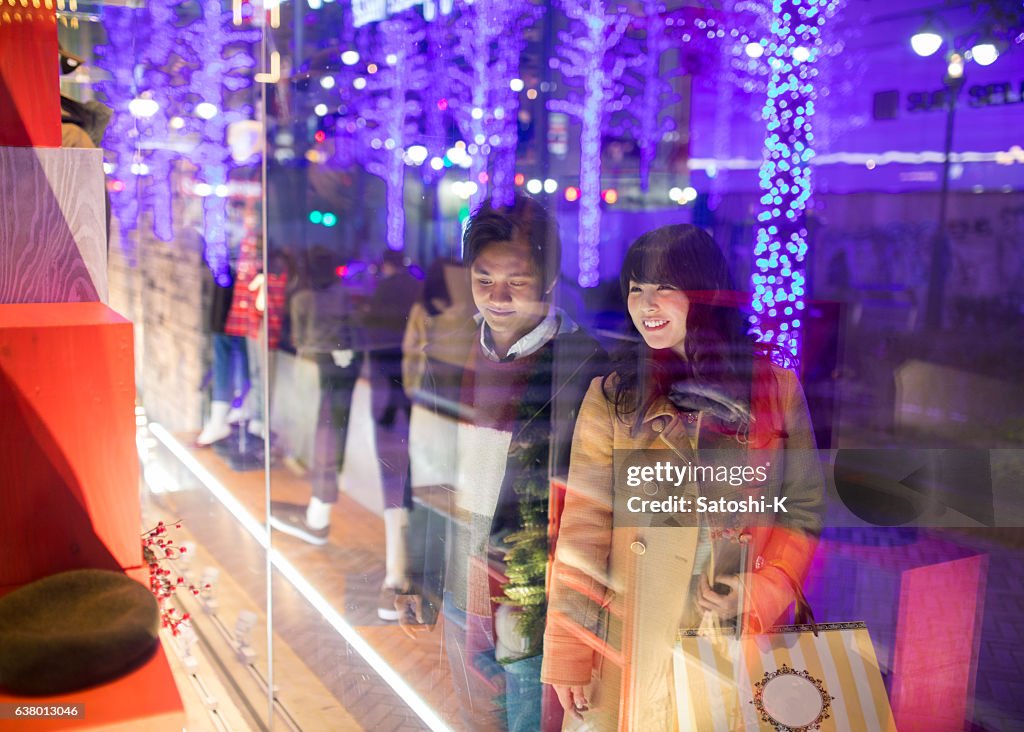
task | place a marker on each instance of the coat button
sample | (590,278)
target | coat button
(638,547)
(658,425)
(651,489)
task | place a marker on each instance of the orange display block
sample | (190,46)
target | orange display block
(70,496)
(145,699)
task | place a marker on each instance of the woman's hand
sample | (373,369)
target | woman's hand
(573,699)
(724,606)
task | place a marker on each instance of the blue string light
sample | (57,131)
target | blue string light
(792,50)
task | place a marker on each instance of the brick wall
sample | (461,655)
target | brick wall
(159,286)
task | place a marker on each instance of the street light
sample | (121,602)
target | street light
(926,42)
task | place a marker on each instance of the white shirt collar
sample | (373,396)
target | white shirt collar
(554,323)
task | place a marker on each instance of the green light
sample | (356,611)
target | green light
(330,219)
(315,217)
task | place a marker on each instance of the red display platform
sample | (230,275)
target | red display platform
(70,496)
(146,699)
(67,442)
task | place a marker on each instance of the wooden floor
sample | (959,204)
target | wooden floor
(348,572)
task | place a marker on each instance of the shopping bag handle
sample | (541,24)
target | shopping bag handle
(803,614)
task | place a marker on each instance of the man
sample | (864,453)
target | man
(524,381)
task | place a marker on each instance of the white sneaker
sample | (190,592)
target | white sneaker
(290,518)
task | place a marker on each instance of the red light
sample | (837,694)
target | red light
(610,196)
(483,177)
(341,270)
(520,179)
(320,136)
(572,193)
(442,104)
(117,185)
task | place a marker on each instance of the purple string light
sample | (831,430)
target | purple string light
(592,57)
(392,112)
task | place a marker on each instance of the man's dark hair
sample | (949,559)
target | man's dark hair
(526,221)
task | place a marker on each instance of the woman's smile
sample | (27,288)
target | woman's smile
(659,312)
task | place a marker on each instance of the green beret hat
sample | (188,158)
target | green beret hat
(74,629)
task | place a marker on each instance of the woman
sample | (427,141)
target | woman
(699,392)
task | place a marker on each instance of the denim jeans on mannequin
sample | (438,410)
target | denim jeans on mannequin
(254,403)
(230,367)
(336,387)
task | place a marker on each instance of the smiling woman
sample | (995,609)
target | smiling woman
(728,554)
(659,312)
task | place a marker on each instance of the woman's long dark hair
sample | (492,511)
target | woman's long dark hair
(719,352)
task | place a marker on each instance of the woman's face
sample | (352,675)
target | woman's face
(659,313)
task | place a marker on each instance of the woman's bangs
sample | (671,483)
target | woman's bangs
(653,265)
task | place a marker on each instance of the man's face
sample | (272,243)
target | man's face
(508,291)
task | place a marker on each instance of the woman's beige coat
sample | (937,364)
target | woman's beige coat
(624,578)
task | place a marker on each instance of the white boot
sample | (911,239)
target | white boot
(396,578)
(217,427)
(396,520)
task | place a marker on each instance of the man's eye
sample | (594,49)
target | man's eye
(483,282)
(518,283)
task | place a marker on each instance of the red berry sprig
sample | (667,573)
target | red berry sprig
(158,547)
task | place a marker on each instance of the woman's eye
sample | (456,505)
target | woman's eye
(667,287)
(634,288)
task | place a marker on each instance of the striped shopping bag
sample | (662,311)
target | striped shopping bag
(797,678)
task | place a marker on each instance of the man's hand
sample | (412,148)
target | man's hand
(573,699)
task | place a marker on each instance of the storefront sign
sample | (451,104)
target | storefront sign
(372,11)
(979,95)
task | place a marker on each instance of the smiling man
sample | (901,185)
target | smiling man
(509,295)
(520,393)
